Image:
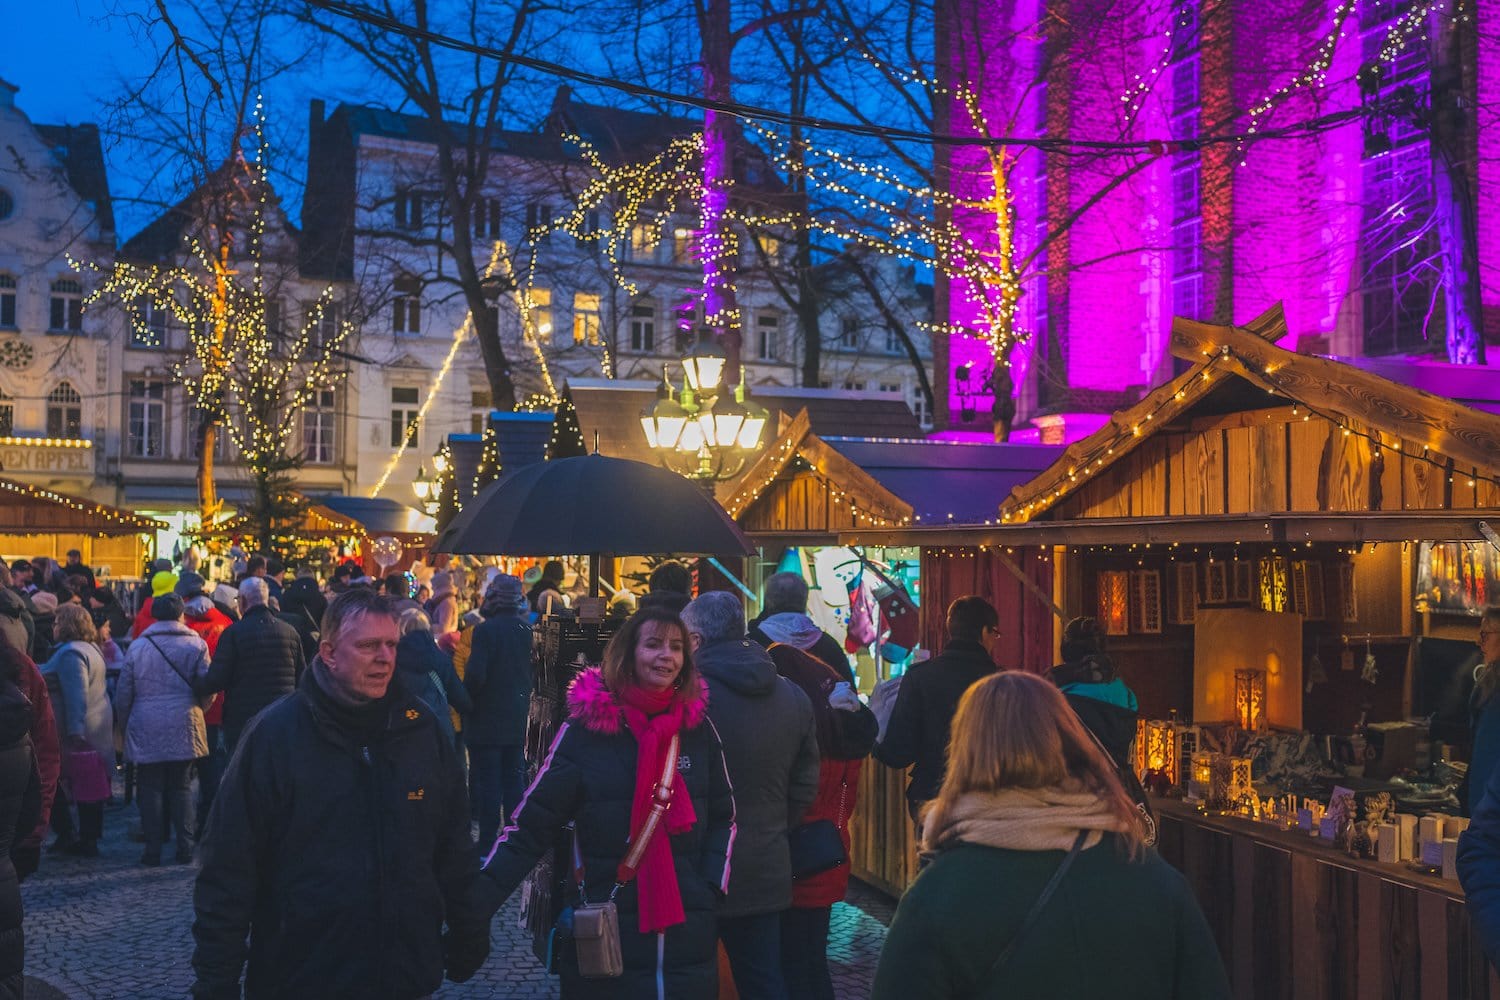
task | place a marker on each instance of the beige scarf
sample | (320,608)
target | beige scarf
(1024,819)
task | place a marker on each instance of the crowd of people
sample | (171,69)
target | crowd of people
(348,741)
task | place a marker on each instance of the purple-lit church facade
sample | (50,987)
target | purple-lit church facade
(1348,224)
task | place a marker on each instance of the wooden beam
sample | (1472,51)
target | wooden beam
(770,463)
(1009,565)
(1344,392)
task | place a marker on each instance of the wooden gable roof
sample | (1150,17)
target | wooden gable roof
(800,484)
(34,510)
(1255,429)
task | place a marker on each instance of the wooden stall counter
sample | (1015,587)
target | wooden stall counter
(1295,918)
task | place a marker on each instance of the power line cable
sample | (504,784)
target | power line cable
(750,112)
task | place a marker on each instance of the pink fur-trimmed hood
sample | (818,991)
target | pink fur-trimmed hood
(592,704)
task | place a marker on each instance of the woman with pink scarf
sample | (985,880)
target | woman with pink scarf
(602,774)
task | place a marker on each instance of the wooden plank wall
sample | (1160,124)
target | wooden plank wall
(797,502)
(1273,461)
(1295,925)
(882,841)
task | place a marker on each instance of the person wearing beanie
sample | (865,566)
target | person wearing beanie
(1087,678)
(162,716)
(162,582)
(442,607)
(497,675)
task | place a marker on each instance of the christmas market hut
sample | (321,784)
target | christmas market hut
(795,501)
(326,529)
(35,521)
(1287,555)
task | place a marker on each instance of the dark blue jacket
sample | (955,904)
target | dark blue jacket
(418,659)
(498,676)
(1484,723)
(1479,865)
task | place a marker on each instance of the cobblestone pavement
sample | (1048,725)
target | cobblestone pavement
(108,928)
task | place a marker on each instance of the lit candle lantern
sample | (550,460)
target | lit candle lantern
(1250,699)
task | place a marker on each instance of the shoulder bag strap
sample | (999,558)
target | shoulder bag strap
(661,797)
(1039,905)
(170,662)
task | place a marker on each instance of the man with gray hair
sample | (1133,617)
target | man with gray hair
(339,842)
(771,751)
(784,618)
(258,660)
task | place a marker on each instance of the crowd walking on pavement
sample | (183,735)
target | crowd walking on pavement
(689,818)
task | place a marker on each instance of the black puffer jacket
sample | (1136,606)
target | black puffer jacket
(258,660)
(341,851)
(917,734)
(589,777)
(498,678)
(20,808)
(771,747)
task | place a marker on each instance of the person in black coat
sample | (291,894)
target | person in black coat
(594,776)
(498,678)
(258,660)
(20,810)
(427,671)
(917,734)
(105,609)
(339,840)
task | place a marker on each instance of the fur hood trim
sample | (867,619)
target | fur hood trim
(592,704)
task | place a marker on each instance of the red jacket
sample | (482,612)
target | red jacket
(143,619)
(838,787)
(209,628)
(838,778)
(44,742)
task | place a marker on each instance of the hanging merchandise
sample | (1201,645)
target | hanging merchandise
(862,611)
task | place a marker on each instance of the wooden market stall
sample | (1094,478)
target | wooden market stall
(331,528)
(40,522)
(1251,533)
(807,489)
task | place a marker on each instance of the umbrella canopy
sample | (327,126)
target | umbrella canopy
(578,506)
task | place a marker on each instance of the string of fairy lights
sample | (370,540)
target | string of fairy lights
(1105,448)
(113,515)
(241,365)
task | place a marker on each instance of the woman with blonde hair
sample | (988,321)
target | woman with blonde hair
(1040,883)
(75,675)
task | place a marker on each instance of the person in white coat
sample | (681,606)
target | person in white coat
(163,723)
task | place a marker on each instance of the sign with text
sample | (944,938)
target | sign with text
(55,460)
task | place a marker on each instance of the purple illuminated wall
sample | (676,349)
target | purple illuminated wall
(1280,220)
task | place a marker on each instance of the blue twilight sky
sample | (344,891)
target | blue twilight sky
(66,58)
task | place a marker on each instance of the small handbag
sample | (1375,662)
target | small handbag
(816,847)
(88,776)
(595,927)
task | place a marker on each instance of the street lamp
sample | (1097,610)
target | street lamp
(425,488)
(703,431)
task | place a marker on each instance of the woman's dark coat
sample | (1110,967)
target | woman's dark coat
(20,807)
(589,777)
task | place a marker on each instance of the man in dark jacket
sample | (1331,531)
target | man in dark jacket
(917,734)
(498,678)
(258,660)
(771,750)
(339,841)
(786,593)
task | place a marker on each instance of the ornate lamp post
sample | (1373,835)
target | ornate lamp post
(426,490)
(703,431)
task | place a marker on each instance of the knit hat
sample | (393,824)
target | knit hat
(162,583)
(190,585)
(44,601)
(225,594)
(505,594)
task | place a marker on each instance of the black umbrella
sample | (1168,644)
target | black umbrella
(588,505)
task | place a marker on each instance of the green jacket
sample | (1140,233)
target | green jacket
(1113,929)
